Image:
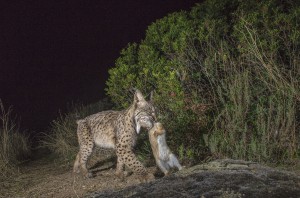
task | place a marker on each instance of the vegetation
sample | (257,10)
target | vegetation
(226,76)
(14,145)
(61,138)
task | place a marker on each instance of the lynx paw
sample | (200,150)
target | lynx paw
(146,178)
(120,175)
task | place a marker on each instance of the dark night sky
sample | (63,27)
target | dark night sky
(56,52)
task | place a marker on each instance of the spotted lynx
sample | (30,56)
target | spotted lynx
(117,130)
(164,158)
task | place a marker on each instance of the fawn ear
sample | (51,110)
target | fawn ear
(138,96)
(159,126)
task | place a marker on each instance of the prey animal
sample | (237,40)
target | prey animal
(164,158)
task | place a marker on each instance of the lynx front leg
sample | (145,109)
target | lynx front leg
(120,168)
(127,157)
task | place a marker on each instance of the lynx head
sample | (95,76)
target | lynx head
(144,112)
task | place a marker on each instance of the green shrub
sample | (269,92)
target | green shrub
(226,77)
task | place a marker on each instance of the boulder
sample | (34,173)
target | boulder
(219,178)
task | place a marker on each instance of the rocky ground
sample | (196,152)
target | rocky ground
(220,178)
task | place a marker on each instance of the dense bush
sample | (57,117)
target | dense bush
(226,77)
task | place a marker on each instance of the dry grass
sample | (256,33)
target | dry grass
(61,138)
(255,97)
(14,145)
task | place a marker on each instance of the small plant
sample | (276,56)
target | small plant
(190,154)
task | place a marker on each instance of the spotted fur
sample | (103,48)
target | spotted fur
(117,130)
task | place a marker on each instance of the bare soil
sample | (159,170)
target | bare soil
(49,177)
(46,178)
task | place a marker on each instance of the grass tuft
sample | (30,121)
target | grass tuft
(14,145)
(61,138)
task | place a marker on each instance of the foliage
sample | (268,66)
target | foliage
(14,145)
(226,77)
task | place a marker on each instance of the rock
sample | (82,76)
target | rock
(221,178)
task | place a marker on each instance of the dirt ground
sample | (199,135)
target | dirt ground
(45,178)
(49,177)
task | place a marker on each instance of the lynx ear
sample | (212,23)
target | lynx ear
(138,96)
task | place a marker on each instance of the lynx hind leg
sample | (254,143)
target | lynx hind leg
(85,153)
(173,162)
(86,145)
